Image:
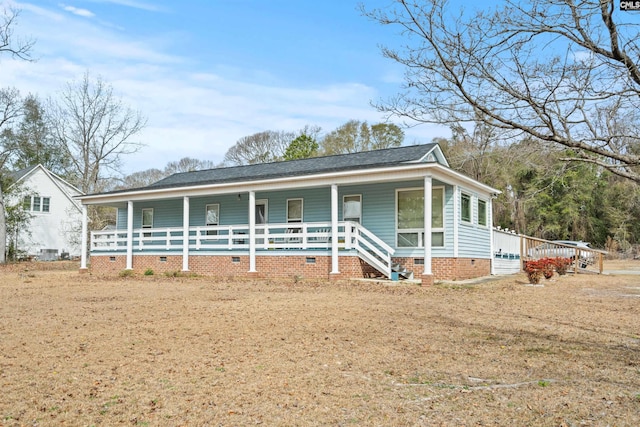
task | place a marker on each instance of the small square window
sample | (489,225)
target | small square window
(311,260)
(163,259)
(235,259)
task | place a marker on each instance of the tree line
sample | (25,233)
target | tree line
(545,195)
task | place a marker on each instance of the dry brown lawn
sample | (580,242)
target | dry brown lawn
(81,350)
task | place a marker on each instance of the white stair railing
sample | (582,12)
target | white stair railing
(371,249)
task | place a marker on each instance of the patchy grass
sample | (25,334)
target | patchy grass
(86,350)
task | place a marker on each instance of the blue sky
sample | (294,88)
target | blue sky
(206,73)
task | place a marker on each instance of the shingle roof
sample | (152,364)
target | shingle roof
(316,165)
(17,175)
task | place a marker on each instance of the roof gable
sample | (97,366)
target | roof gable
(68,190)
(427,153)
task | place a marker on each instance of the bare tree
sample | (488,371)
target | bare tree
(10,110)
(556,70)
(140,179)
(188,164)
(9,101)
(355,136)
(95,129)
(9,43)
(261,147)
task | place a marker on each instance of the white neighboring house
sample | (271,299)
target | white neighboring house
(55,225)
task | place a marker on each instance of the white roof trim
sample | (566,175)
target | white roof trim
(395,173)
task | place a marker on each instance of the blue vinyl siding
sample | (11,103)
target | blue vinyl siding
(316,205)
(121,219)
(378,214)
(474,241)
(232,209)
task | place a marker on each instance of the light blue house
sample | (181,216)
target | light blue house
(344,216)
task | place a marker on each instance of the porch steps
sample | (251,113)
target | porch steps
(402,271)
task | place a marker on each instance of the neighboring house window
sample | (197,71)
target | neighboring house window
(465,207)
(147,220)
(482,212)
(212,218)
(294,210)
(410,217)
(352,208)
(37,203)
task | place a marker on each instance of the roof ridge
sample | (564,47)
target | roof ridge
(299,167)
(305,159)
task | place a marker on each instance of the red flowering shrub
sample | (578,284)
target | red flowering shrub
(562,265)
(535,269)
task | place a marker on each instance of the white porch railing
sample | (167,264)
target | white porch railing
(300,236)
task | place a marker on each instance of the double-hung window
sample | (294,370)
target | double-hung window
(410,217)
(147,220)
(465,207)
(37,204)
(294,215)
(212,218)
(45,204)
(482,213)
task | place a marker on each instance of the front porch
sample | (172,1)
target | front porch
(284,248)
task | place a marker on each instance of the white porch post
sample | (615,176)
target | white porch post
(252,231)
(492,243)
(428,190)
(456,220)
(185,233)
(83,253)
(129,235)
(335,269)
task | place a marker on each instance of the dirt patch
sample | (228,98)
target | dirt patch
(85,350)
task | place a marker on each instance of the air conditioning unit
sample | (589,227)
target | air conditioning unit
(48,255)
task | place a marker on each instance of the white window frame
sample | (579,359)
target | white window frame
(462,218)
(206,218)
(486,213)
(296,220)
(420,230)
(357,219)
(42,199)
(435,230)
(142,224)
(31,202)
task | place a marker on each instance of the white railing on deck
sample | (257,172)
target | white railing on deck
(300,236)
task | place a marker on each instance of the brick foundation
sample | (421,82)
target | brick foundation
(449,268)
(290,266)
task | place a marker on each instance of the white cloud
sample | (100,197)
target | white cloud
(191,113)
(77,11)
(134,4)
